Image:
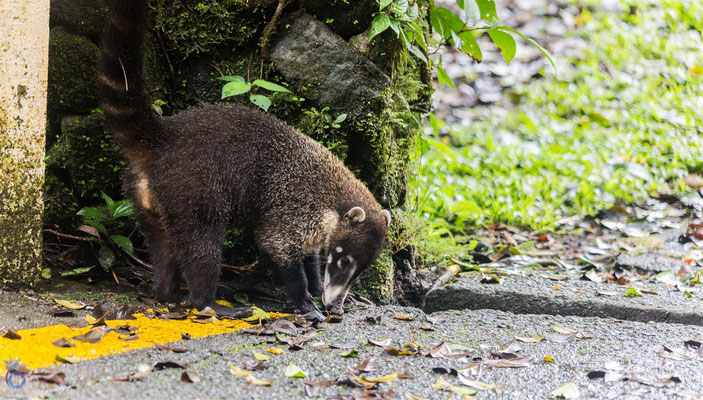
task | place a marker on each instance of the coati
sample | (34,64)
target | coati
(197,173)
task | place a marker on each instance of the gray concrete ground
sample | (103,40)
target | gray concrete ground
(628,348)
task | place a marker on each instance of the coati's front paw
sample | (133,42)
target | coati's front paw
(310,310)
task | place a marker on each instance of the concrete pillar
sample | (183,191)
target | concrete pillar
(24,54)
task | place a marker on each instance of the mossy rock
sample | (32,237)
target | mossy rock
(86,17)
(346,18)
(73,69)
(60,205)
(199,27)
(81,164)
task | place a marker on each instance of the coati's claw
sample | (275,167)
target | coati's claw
(315,316)
(232,312)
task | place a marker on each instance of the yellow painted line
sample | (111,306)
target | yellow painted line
(36,348)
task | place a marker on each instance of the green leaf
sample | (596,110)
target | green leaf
(380,23)
(261,356)
(340,118)
(443,78)
(108,200)
(351,354)
(412,13)
(417,53)
(384,3)
(122,208)
(395,26)
(235,88)
(633,292)
(257,315)
(445,22)
(260,100)
(400,6)
(270,86)
(472,14)
(436,124)
(470,45)
(123,242)
(97,225)
(532,42)
(444,149)
(76,271)
(91,212)
(488,10)
(232,78)
(504,42)
(294,371)
(46,273)
(106,258)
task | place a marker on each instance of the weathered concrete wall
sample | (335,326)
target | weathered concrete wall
(24,39)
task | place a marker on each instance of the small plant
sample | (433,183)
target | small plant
(479,16)
(95,220)
(237,85)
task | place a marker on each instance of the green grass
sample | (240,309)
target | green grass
(623,121)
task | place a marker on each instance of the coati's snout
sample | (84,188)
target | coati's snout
(354,246)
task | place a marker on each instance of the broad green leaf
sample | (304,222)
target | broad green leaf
(534,43)
(46,273)
(123,242)
(443,78)
(395,26)
(97,225)
(504,42)
(384,3)
(232,78)
(91,212)
(380,23)
(261,356)
(235,88)
(257,315)
(417,53)
(412,13)
(633,292)
(270,86)
(488,10)
(108,200)
(294,371)
(471,12)
(444,149)
(76,271)
(400,6)
(122,208)
(353,353)
(445,22)
(340,118)
(436,124)
(260,100)
(470,45)
(106,258)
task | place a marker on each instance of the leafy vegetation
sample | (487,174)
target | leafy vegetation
(622,121)
(237,85)
(96,222)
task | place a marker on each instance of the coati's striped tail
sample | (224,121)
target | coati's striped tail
(121,84)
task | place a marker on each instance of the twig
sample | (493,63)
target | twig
(268,32)
(163,48)
(66,236)
(445,277)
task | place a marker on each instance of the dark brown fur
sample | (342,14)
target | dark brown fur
(197,173)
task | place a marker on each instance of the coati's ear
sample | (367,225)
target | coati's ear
(387,215)
(356,214)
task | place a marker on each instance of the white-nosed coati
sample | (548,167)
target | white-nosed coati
(197,173)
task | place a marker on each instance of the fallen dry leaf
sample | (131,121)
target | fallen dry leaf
(568,391)
(63,343)
(189,377)
(380,343)
(12,335)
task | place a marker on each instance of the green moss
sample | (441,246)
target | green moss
(81,164)
(21,206)
(195,28)
(376,283)
(73,69)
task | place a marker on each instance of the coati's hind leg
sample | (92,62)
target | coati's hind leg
(312,273)
(197,248)
(166,275)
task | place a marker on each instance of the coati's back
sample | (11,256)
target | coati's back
(193,174)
